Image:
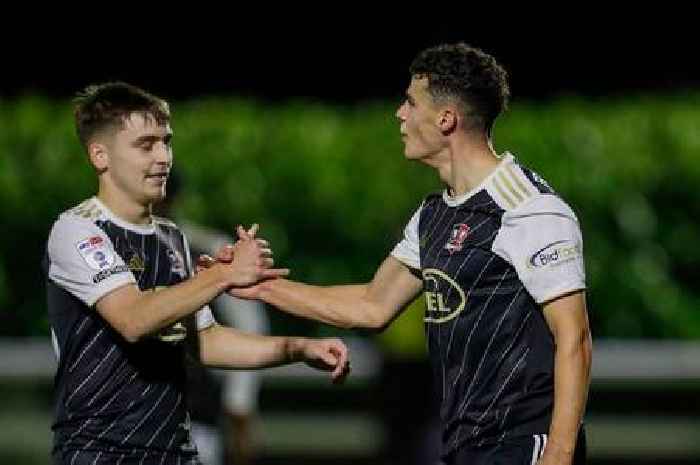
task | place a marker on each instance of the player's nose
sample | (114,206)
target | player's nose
(163,154)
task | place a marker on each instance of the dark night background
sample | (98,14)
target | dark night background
(348,63)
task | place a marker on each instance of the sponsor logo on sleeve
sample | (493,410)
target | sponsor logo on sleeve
(104,274)
(554,254)
(95,252)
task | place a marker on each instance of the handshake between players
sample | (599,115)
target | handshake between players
(247,264)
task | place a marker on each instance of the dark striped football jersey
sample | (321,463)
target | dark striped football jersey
(115,401)
(489,259)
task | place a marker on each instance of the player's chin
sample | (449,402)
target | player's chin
(411,154)
(155,194)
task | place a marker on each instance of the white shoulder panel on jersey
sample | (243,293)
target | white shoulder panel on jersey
(407,251)
(542,240)
(509,186)
(90,209)
(83,260)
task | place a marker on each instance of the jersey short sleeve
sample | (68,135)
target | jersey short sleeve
(542,240)
(407,251)
(83,261)
(204,318)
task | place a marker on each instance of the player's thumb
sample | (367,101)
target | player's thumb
(329,358)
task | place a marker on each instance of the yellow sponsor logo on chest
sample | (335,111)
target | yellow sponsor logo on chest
(436,282)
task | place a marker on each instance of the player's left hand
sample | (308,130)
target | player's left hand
(328,354)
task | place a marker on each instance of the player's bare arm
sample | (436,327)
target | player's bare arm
(372,305)
(568,320)
(225,347)
(135,313)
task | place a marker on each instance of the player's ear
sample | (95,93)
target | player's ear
(447,120)
(99,155)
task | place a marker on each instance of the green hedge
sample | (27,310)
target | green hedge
(331,189)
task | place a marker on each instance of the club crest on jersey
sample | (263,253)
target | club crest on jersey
(459,234)
(136,263)
(95,252)
(177,263)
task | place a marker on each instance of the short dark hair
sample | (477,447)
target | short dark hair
(100,106)
(467,74)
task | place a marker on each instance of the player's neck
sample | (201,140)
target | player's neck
(123,207)
(472,160)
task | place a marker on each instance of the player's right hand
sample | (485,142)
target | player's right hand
(249,260)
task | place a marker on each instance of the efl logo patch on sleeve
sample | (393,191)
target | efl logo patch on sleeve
(95,252)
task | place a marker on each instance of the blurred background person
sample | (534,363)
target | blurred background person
(224,407)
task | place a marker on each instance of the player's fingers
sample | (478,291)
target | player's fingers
(262,242)
(225,253)
(342,354)
(329,359)
(266,252)
(266,262)
(339,379)
(205,261)
(242,292)
(242,233)
(271,273)
(253,230)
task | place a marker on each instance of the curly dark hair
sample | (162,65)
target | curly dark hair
(107,105)
(474,78)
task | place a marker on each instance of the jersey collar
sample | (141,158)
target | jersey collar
(137,228)
(506,158)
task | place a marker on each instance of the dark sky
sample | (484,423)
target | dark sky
(349,64)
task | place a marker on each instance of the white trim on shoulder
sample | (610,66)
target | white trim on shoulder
(137,228)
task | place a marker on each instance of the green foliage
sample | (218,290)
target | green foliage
(332,191)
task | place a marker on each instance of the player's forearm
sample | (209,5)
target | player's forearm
(343,306)
(572,364)
(152,311)
(224,347)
